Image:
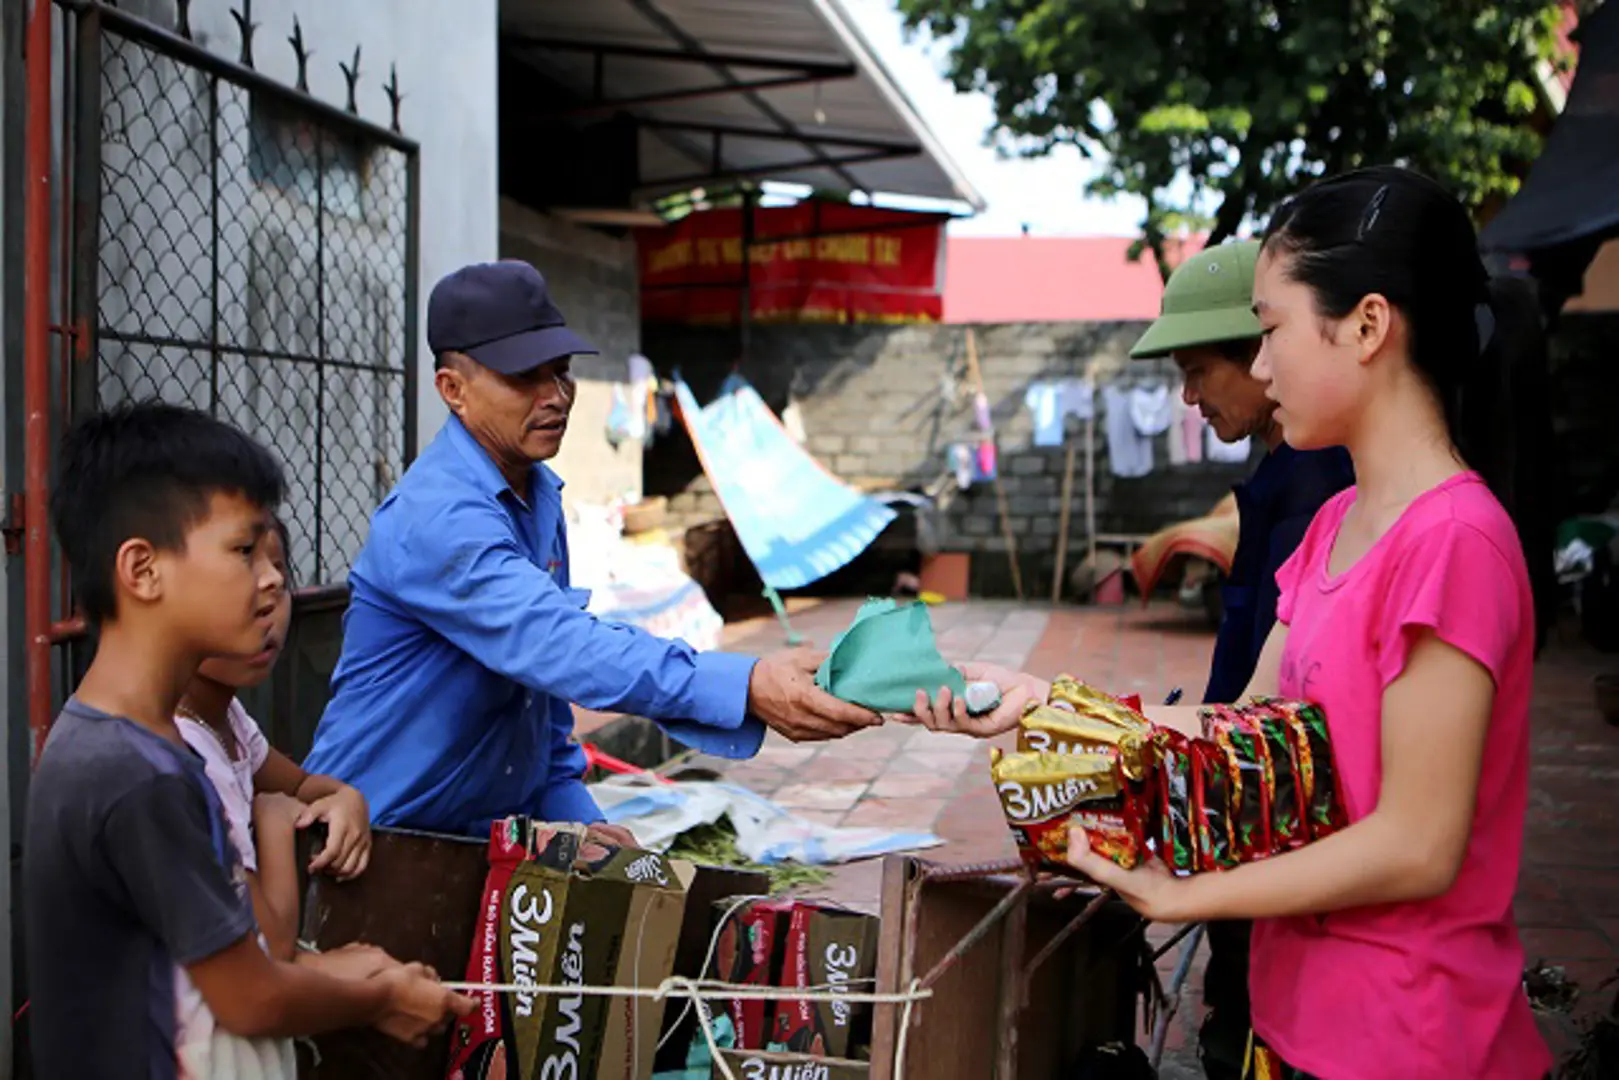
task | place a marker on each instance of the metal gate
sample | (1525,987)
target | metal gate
(240,246)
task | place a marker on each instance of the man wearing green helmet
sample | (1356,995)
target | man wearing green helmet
(1207,326)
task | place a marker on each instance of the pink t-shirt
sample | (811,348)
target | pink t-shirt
(1431,988)
(232,777)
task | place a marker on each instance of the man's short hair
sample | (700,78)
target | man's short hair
(1242,351)
(147,470)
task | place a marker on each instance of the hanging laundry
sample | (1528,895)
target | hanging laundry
(961,464)
(663,402)
(981,416)
(1152,409)
(1227,453)
(984,462)
(792,418)
(1052,402)
(1177,431)
(620,420)
(1129,452)
(1186,432)
(1192,427)
(643,387)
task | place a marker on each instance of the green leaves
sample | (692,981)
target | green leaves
(1250,99)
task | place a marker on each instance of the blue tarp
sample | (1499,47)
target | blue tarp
(797,522)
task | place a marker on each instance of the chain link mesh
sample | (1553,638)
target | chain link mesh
(253,262)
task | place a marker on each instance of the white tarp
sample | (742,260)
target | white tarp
(765,832)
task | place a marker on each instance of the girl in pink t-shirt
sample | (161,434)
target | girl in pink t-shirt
(1386,950)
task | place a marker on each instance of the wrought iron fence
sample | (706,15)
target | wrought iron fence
(252,251)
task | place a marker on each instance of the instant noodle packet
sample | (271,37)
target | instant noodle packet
(1174,824)
(1043,794)
(1324,810)
(1289,822)
(1212,771)
(1069,693)
(1047,730)
(1252,778)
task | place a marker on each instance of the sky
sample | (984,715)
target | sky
(1044,193)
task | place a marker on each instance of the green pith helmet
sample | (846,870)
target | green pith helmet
(1208,299)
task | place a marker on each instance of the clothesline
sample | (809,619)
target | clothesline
(1137,412)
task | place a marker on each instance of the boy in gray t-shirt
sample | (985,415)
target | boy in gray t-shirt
(143,956)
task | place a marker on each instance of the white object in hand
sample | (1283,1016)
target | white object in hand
(982,697)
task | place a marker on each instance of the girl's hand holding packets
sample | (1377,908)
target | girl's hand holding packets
(1149,888)
(948,713)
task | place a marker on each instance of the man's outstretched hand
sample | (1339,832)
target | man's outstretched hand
(783,694)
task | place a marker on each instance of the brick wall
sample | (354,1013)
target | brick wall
(883,404)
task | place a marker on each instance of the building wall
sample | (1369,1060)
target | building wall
(593,279)
(158,161)
(1601,292)
(881,406)
(446,56)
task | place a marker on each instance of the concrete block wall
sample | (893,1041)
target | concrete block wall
(882,405)
(594,280)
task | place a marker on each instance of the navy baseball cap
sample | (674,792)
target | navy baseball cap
(501,315)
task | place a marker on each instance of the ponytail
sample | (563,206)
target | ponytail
(1502,425)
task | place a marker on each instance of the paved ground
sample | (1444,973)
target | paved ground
(1568,898)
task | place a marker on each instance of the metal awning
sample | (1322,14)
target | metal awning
(1572,193)
(723,90)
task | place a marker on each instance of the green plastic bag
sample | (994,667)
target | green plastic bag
(885,656)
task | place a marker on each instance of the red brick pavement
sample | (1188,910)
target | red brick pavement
(1568,896)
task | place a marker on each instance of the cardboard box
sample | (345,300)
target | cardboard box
(618,928)
(693,955)
(764,1065)
(828,947)
(748,952)
(646,958)
(533,931)
(485,1044)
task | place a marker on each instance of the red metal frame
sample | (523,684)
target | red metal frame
(37,375)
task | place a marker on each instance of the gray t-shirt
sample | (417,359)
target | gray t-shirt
(128,875)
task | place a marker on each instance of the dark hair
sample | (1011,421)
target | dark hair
(1242,351)
(1479,342)
(147,470)
(280,526)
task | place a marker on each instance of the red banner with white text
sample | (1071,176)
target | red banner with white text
(815,262)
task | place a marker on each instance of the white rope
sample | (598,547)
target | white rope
(703,989)
(700,991)
(737,903)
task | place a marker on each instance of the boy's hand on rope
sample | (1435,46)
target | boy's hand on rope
(419,1006)
(353,961)
(347,851)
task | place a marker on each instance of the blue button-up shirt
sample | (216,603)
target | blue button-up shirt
(1274,509)
(463,645)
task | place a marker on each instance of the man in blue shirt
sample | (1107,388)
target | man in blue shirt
(1208,327)
(463,643)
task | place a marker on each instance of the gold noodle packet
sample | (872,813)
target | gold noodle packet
(1044,729)
(1069,692)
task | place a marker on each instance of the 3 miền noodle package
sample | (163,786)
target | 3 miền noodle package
(1260,780)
